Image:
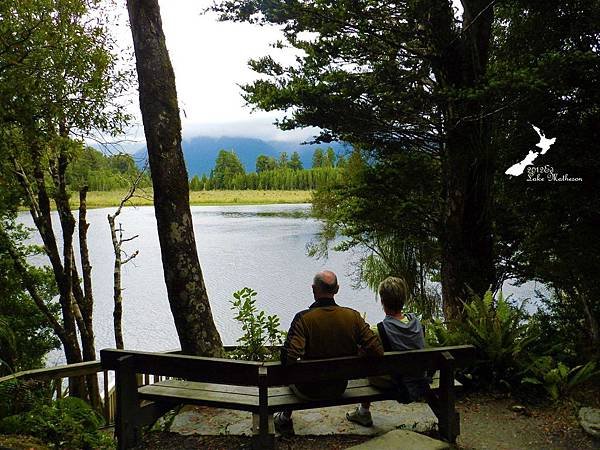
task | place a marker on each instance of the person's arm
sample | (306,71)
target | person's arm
(369,342)
(295,343)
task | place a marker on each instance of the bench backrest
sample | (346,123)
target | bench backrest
(394,363)
(246,373)
(193,368)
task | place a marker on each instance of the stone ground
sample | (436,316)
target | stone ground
(487,422)
(387,416)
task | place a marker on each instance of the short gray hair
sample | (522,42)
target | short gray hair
(322,285)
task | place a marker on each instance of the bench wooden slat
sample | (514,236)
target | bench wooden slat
(212,387)
(350,396)
(209,387)
(216,399)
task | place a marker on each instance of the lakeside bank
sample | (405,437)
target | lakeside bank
(106,199)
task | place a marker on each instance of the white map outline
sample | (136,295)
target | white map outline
(544,143)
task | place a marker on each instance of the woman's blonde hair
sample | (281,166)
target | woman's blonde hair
(393,293)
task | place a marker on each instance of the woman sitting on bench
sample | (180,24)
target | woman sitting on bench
(398,332)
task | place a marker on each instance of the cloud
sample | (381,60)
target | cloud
(259,127)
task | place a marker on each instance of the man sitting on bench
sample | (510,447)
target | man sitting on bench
(324,330)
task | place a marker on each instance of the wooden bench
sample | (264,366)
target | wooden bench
(261,388)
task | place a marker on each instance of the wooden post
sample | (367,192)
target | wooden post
(448,419)
(106,397)
(127,403)
(59,392)
(263,430)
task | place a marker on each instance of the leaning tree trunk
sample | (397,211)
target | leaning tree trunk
(468,161)
(87,300)
(39,203)
(81,300)
(160,113)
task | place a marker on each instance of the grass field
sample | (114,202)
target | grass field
(103,199)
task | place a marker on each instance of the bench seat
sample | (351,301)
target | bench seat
(245,398)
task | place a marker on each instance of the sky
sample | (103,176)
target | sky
(210,60)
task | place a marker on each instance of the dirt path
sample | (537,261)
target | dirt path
(491,423)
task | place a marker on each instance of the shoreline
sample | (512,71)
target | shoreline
(107,199)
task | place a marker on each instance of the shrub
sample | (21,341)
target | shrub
(261,332)
(20,396)
(562,328)
(555,376)
(499,331)
(68,423)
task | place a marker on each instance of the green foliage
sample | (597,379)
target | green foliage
(498,330)
(548,54)
(25,335)
(282,161)
(100,172)
(318,158)
(227,166)
(7,346)
(381,76)
(67,423)
(21,396)
(388,208)
(260,332)
(264,163)
(271,174)
(196,184)
(278,179)
(556,377)
(58,69)
(395,257)
(295,162)
(329,158)
(560,323)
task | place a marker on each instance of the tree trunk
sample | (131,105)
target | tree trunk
(117,297)
(81,300)
(467,258)
(39,205)
(160,113)
(87,301)
(592,327)
(468,162)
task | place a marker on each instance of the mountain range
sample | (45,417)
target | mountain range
(200,152)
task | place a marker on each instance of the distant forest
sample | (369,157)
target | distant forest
(282,173)
(102,172)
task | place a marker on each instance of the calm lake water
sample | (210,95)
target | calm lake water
(238,246)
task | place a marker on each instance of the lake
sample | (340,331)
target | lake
(261,247)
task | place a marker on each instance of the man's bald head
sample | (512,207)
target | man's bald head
(325,284)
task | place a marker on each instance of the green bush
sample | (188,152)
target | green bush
(261,332)
(562,329)
(556,377)
(498,330)
(68,423)
(20,396)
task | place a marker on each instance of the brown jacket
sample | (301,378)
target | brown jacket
(326,330)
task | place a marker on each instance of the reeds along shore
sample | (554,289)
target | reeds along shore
(104,199)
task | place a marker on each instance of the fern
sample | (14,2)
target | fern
(497,329)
